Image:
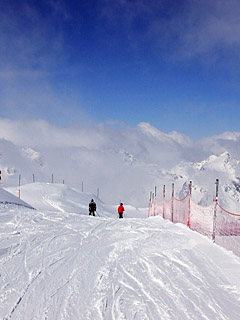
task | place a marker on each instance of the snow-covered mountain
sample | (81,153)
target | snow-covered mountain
(121,164)
(204,173)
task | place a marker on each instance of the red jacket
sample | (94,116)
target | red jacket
(120,209)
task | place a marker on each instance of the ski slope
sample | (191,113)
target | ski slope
(8,198)
(56,262)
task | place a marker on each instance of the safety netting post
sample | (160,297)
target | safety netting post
(189,203)
(154,203)
(172,199)
(149,206)
(215,211)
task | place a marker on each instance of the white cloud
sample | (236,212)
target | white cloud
(186,29)
(37,133)
(33,61)
(124,163)
(28,39)
(208,26)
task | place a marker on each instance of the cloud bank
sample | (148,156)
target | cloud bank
(124,163)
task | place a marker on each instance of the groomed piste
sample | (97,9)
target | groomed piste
(57,262)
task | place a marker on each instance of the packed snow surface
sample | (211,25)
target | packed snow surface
(59,263)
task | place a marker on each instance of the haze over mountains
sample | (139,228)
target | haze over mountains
(124,163)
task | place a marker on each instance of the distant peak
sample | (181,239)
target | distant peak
(175,136)
(148,128)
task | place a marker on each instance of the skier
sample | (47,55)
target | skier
(120,210)
(92,207)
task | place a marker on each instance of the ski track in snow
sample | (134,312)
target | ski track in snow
(58,265)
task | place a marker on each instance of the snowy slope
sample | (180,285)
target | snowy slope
(59,263)
(8,198)
(59,197)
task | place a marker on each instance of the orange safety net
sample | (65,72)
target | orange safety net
(157,208)
(201,219)
(181,210)
(227,231)
(213,221)
(167,209)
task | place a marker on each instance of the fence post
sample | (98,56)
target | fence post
(189,203)
(164,201)
(149,205)
(154,201)
(215,211)
(151,201)
(172,201)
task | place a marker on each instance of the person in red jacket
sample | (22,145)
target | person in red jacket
(121,210)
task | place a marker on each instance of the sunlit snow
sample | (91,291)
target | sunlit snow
(57,262)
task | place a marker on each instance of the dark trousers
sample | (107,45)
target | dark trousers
(92,212)
(120,215)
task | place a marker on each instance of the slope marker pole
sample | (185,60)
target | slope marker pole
(215,211)
(164,192)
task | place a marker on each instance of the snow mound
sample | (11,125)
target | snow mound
(8,198)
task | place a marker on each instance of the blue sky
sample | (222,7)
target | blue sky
(174,64)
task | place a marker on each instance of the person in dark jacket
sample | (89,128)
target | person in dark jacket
(121,210)
(92,207)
